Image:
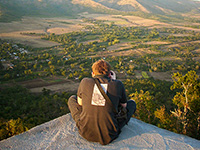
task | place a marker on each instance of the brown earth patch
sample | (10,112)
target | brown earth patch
(138,74)
(180,35)
(197,51)
(63,30)
(156,42)
(138,52)
(69,86)
(11,31)
(196,59)
(162,76)
(173,58)
(142,21)
(120,46)
(125,20)
(34,41)
(165,48)
(55,84)
(174,26)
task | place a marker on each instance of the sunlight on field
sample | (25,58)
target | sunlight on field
(197,51)
(161,75)
(34,41)
(120,46)
(173,58)
(11,31)
(157,42)
(142,22)
(60,30)
(64,25)
(131,52)
(196,58)
(125,20)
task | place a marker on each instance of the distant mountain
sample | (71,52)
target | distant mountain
(15,9)
(146,6)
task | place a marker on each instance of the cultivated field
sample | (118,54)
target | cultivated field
(13,30)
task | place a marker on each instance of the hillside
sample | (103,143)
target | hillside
(61,133)
(15,9)
(151,6)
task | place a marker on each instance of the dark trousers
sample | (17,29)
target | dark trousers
(76,110)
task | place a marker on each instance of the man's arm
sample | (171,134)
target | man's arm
(79,101)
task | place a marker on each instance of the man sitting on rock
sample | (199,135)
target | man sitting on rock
(94,116)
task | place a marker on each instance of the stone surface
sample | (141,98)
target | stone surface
(61,133)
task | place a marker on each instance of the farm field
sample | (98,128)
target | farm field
(13,30)
(29,31)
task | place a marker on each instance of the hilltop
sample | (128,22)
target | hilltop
(62,133)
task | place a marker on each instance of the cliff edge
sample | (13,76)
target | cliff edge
(61,133)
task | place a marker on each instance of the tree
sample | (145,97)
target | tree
(185,100)
(6,76)
(145,105)
(12,127)
(35,66)
(63,73)
(70,76)
(166,120)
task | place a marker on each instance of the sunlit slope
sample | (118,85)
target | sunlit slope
(152,6)
(15,9)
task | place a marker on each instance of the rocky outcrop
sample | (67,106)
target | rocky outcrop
(61,133)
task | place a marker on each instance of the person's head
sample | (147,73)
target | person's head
(101,67)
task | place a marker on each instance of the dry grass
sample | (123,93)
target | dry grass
(62,30)
(62,85)
(197,51)
(143,22)
(137,52)
(120,46)
(133,3)
(161,75)
(196,59)
(156,42)
(125,20)
(172,58)
(161,25)
(180,35)
(11,31)
(34,41)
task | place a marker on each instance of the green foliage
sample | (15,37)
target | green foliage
(187,102)
(146,106)
(21,110)
(145,75)
(177,111)
(12,127)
